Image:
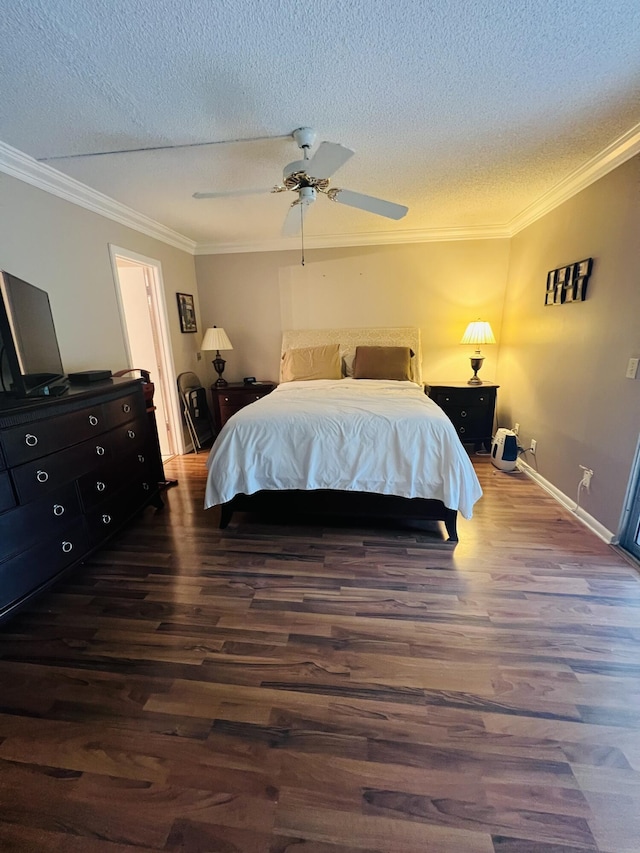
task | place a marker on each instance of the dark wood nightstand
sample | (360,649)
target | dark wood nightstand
(470,408)
(235,396)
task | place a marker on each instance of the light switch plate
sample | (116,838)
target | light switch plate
(632,368)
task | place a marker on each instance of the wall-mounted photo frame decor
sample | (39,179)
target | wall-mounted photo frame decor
(187,312)
(568,283)
(551,288)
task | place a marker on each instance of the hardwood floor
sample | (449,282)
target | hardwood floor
(308,689)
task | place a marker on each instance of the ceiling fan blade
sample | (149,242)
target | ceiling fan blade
(328,159)
(369,203)
(230,193)
(293,220)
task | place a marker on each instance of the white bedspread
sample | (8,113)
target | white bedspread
(362,435)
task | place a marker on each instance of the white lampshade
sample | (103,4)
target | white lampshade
(215,339)
(477,333)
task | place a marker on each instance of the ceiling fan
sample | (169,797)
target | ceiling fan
(310,176)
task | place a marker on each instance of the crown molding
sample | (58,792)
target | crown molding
(379,238)
(23,167)
(618,152)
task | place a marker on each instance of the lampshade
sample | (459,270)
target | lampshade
(215,339)
(477,333)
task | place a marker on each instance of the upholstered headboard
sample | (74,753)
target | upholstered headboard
(349,339)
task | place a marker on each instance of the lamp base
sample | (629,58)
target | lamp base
(476,364)
(218,365)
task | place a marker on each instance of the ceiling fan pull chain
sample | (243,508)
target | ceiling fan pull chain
(302,231)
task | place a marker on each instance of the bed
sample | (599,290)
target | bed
(341,445)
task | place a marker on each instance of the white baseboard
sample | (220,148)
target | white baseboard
(582,515)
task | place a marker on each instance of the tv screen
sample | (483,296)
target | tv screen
(30,362)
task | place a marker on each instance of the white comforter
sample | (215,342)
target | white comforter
(362,435)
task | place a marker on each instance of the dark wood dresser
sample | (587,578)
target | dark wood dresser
(470,408)
(235,396)
(73,470)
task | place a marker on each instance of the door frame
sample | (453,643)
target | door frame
(631,510)
(164,337)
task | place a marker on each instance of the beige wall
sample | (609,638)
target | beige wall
(562,368)
(439,287)
(64,249)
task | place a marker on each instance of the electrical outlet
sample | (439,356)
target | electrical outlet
(516,428)
(533,446)
(587,474)
(632,368)
(198,356)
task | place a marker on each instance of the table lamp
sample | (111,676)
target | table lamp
(477,333)
(217,339)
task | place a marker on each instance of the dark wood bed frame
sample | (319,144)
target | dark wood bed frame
(325,502)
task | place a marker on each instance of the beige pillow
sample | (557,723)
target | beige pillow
(311,363)
(382,363)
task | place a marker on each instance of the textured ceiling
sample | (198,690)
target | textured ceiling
(467,111)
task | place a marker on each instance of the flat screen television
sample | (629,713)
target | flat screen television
(30,363)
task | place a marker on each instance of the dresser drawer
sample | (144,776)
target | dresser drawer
(130,436)
(47,517)
(7,498)
(132,407)
(457,399)
(25,573)
(114,511)
(40,438)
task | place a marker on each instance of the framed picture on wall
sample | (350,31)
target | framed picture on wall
(187,312)
(550,296)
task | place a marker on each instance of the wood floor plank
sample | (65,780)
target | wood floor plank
(283,686)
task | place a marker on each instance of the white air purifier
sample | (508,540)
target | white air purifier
(504,450)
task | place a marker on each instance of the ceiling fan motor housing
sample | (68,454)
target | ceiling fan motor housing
(306,195)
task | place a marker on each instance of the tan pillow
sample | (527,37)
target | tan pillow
(312,363)
(382,363)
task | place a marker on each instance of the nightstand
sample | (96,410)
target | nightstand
(230,399)
(470,408)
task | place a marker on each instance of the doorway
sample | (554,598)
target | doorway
(630,526)
(145,328)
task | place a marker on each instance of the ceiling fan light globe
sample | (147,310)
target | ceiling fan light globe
(306,195)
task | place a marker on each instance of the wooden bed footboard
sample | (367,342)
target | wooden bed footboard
(329,502)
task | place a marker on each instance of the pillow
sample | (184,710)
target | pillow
(312,363)
(382,363)
(347,362)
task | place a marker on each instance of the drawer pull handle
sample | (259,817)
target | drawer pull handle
(257,396)
(67,546)
(99,450)
(462,430)
(106,518)
(145,486)
(42,476)
(463,414)
(481,399)
(131,433)
(226,399)
(446,399)
(140,457)
(93,420)
(126,408)
(58,509)
(30,440)
(100,486)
